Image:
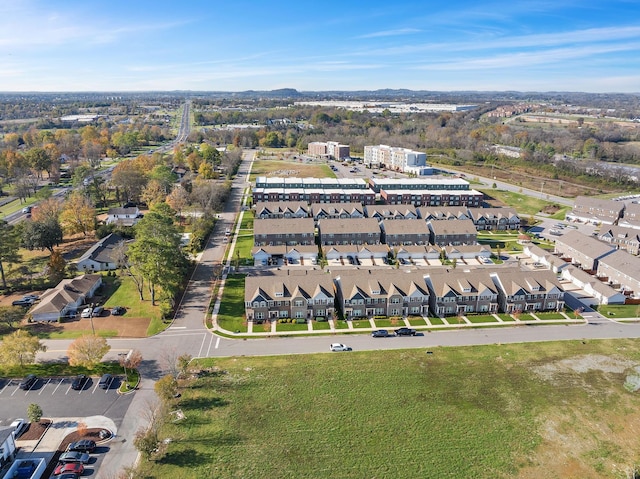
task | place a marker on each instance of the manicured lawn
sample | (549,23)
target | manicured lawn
(523,204)
(361,323)
(619,311)
(247,221)
(478,412)
(122,291)
(341,324)
(244,244)
(481,318)
(417,322)
(280,327)
(435,321)
(388,323)
(321,325)
(231,314)
(549,316)
(526,317)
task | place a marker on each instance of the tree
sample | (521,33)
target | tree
(78,215)
(146,441)
(20,348)
(87,351)
(56,267)
(47,209)
(10,315)
(178,199)
(166,388)
(42,234)
(129,180)
(34,412)
(38,160)
(156,252)
(131,360)
(9,246)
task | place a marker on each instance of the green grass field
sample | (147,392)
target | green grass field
(290,168)
(231,314)
(489,412)
(524,205)
(122,292)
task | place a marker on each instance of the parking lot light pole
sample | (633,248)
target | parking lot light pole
(123,361)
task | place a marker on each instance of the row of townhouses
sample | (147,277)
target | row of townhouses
(417,192)
(605,212)
(483,218)
(360,231)
(314,294)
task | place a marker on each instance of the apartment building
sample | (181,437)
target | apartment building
(281,209)
(283,231)
(468,198)
(405,232)
(329,149)
(393,158)
(581,250)
(495,219)
(462,292)
(352,231)
(458,232)
(522,291)
(595,210)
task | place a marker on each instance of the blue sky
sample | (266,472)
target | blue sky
(233,45)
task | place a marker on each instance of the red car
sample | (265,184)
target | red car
(74,467)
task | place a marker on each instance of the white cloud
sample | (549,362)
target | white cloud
(391,33)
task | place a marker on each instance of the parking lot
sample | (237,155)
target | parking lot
(57,399)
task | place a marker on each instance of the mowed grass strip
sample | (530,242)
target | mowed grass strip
(231,314)
(480,412)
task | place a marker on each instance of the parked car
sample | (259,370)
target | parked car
(28,382)
(26,302)
(380,333)
(74,456)
(118,311)
(97,312)
(35,297)
(406,332)
(339,347)
(19,426)
(84,445)
(86,313)
(75,467)
(105,381)
(67,475)
(79,381)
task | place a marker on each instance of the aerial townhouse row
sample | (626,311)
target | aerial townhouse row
(500,219)
(605,212)
(314,294)
(417,192)
(360,231)
(577,255)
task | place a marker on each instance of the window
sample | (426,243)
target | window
(299,314)
(395,312)
(283,314)
(298,303)
(259,315)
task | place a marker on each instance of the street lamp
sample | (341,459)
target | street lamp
(123,361)
(542,186)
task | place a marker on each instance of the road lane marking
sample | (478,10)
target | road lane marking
(217,342)
(177,327)
(204,338)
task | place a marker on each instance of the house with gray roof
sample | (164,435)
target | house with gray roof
(66,298)
(425,252)
(381,292)
(469,251)
(349,231)
(621,270)
(623,237)
(600,292)
(595,210)
(336,210)
(404,232)
(546,258)
(457,232)
(524,291)
(429,213)
(631,216)
(495,219)
(128,216)
(582,250)
(102,256)
(283,231)
(298,294)
(460,292)
(281,209)
(391,212)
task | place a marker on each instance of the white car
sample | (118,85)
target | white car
(339,347)
(19,426)
(86,313)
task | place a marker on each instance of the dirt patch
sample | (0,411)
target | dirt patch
(123,326)
(583,364)
(551,209)
(35,430)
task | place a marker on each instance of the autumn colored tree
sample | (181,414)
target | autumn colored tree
(47,209)
(78,215)
(87,351)
(178,199)
(20,348)
(56,266)
(166,388)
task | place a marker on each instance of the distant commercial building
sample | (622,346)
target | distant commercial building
(329,149)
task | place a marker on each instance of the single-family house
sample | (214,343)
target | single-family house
(128,216)
(66,298)
(104,255)
(298,294)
